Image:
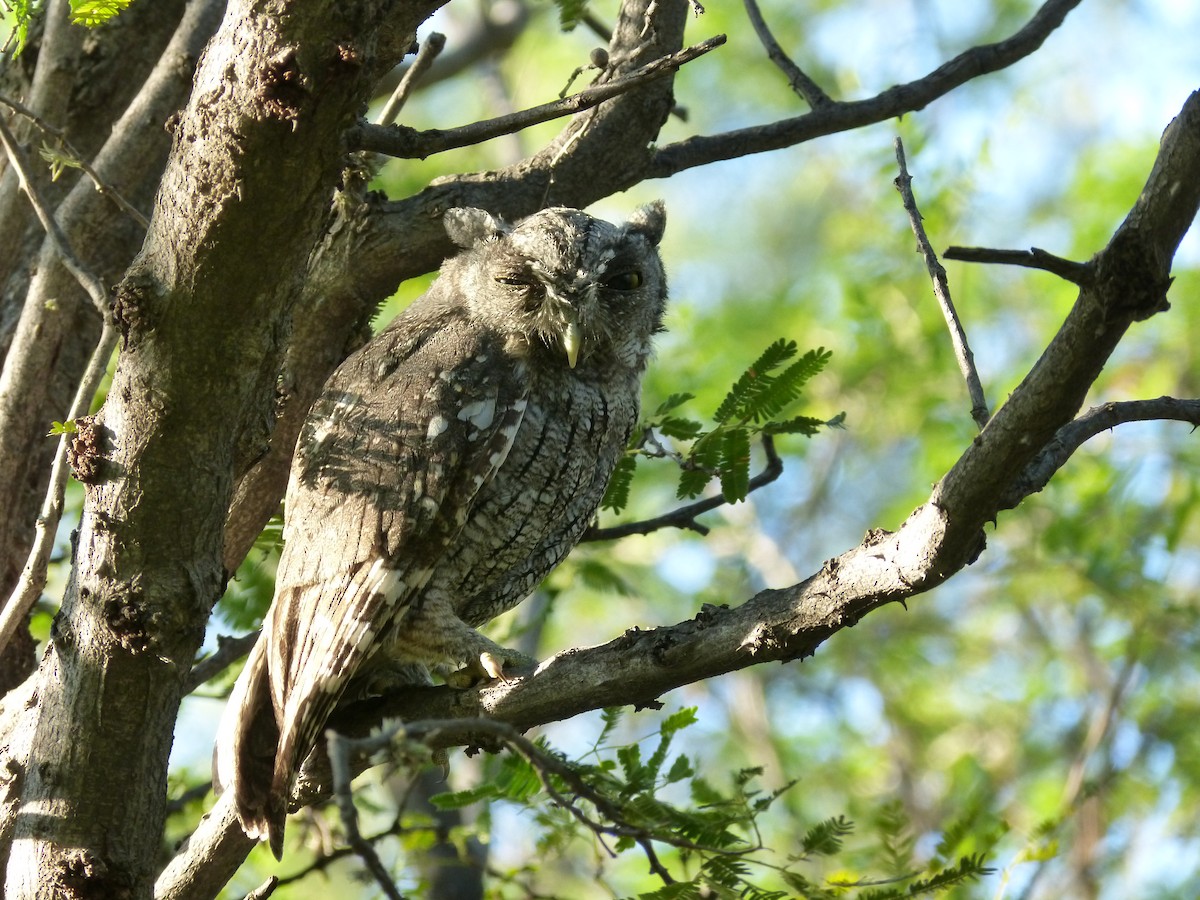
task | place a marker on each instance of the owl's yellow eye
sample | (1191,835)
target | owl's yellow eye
(626,281)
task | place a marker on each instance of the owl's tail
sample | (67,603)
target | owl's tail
(244,754)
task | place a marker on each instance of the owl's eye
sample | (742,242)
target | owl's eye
(626,281)
(511,280)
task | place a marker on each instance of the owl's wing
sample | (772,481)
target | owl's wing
(388,464)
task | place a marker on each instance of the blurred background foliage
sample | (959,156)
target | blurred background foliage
(1039,708)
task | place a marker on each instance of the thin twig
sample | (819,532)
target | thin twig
(340,752)
(1078,273)
(797,79)
(685,516)
(77,158)
(941,290)
(86,278)
(229,650)
(408,143)
(428,52)
(33,575)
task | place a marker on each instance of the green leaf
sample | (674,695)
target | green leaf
(680,429)
(570,13)
(60,428)
(805,425)
(96,12)
(735,464)
(680,769)
(616,497)
(751,381)
(459,799)
(825,838)
(673,401)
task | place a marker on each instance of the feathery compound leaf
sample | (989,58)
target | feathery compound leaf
(96,12)
(825,838)
(703,461)
(780,390)
(680,429)
(617,496)
(735,464)
(805,425)
(674,401)
(751,382)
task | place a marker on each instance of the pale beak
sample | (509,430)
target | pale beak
(571,339)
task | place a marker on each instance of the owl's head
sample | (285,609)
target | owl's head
(588,291)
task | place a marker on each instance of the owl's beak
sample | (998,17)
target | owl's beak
(571,339)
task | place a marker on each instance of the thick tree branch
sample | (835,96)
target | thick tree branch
(407,143)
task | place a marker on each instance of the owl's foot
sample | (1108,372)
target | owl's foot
(489,666)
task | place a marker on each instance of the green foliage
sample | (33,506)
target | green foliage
(570,13)
(20,15)
(751,409)
(711,845)
(96,12)
(59,160)
(58,428)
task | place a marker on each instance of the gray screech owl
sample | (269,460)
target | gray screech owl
(448,466)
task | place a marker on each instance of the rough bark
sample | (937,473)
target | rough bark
(255,159)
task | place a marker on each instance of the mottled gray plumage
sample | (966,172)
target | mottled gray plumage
(448,466)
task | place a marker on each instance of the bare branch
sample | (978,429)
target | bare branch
(941,290)
(685,516)
(78,159)
(33,575)
(229,650)
(800,82)
(340,751)
(1033,258)
(86,278)
(407,143)
(1074,434)
(432,46)
(841,116)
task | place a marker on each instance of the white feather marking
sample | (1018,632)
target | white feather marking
(480,413)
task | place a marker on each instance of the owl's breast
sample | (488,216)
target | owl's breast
(542,498)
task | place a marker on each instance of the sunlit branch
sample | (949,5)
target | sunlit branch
(1033,258)
(430,48)
(33,575)
(839,116)
(941,290)
(797,79)
(407,143)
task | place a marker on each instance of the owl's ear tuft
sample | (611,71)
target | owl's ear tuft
(466,225)
(649,221)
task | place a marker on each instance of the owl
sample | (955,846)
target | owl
(447,467)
